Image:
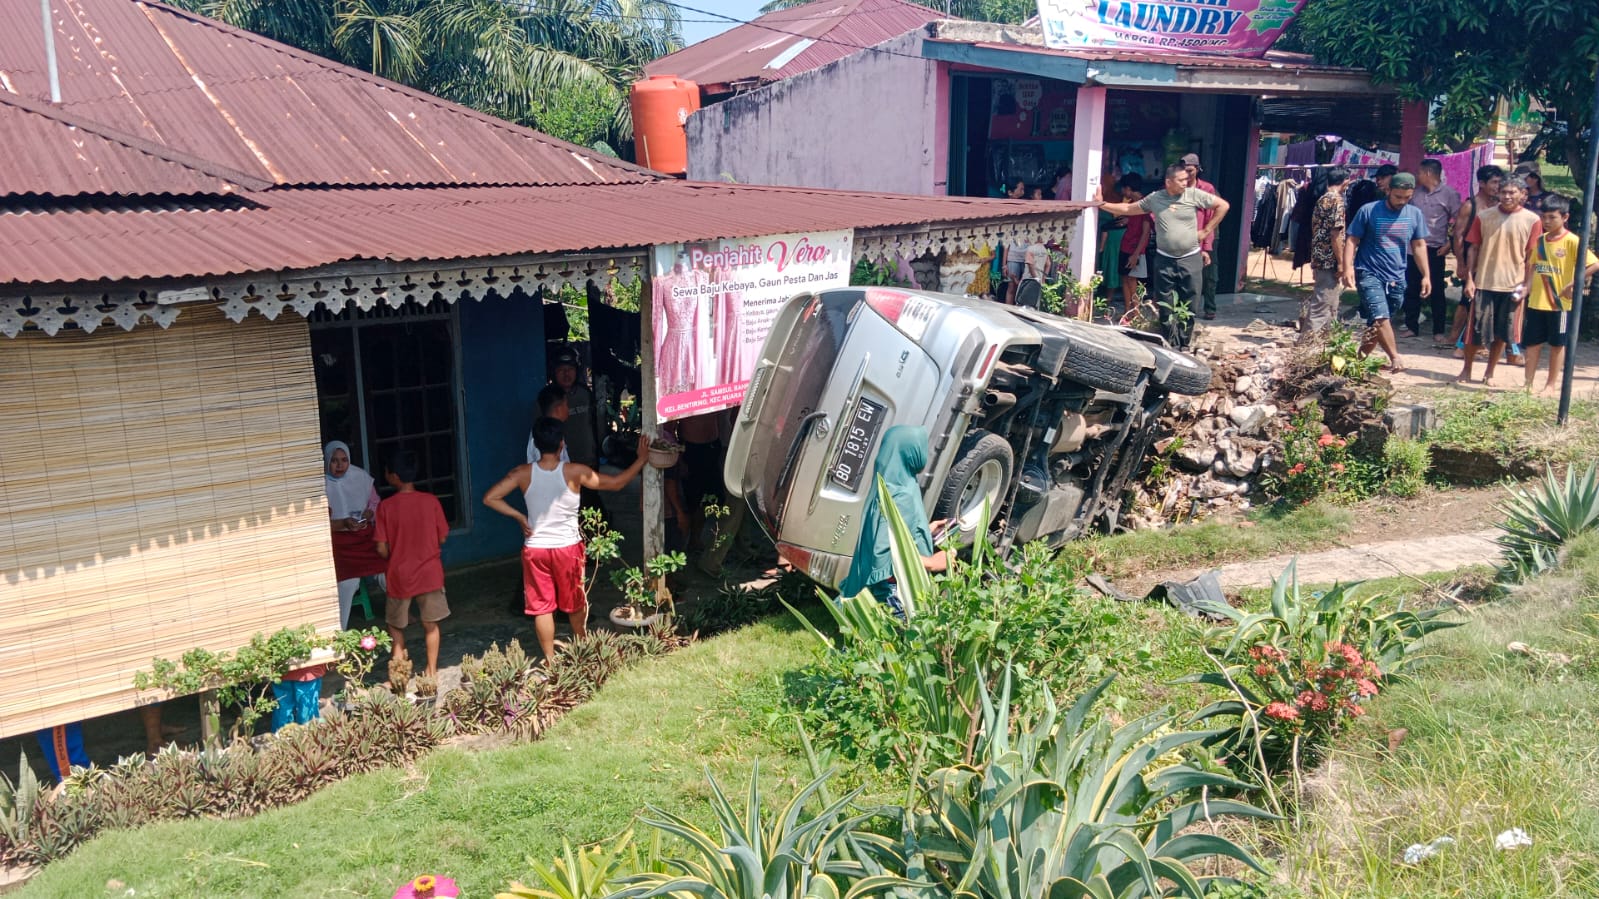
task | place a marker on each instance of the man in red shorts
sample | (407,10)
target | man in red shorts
(552,548)
(411,528)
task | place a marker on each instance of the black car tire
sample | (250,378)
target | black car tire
(1099,364)
(976,461)
(1186,375)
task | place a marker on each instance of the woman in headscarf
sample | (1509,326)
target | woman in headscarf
(900,459)
(352,501)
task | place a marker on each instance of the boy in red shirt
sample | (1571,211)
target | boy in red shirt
(411,529)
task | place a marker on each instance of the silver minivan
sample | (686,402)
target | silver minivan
(1040,418)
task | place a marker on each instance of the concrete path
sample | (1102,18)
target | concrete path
(1366,561)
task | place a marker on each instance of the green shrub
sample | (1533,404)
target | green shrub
(1405,464)
(1299,670)
(1538,522)
(892,692)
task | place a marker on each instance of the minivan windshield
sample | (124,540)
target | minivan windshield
(797,384)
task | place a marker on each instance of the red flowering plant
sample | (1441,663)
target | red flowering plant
(1298,671)
(1314,463)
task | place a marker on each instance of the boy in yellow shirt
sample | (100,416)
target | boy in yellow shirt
(1554,266)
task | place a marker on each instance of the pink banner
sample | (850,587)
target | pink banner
(1203,27)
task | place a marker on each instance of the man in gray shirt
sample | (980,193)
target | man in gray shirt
(1179,267)
(1438,203)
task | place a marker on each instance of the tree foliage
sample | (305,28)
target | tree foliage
(559,65)
(1463,53)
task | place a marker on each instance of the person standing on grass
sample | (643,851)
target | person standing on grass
(1208,275)
(1438,203)
(411,529)
(1554,270)
(1178,263)
(1327,222)
(1489,178)
(552,538)
(1374,262)
(1503,241)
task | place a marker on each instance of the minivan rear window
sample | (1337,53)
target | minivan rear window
(797,384)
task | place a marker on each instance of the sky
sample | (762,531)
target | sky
(695,31)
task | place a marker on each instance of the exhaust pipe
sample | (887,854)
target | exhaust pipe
(998,400)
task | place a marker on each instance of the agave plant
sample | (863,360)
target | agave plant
(1540,521)
(583,874)
(1071,809)
(18,804)
(789,855)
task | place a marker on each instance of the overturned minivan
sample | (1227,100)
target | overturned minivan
(1040,419)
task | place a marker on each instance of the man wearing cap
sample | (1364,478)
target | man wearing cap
(1178,261)
(582,437)
(1208,245)
(1378,237)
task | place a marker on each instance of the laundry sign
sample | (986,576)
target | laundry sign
(1205,27)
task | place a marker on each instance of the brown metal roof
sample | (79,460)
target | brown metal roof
(243,102)
(830,30)
(53,154)
(304,229)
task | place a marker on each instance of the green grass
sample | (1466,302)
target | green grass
(1494,740)
(1515,426)
(1558,178)
(1269,533)
(476,815)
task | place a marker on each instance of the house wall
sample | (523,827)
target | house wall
(160,490)
(866,122)
(502,371)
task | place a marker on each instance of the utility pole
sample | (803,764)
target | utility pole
(1579,287)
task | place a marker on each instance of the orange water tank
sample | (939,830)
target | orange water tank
(661,105)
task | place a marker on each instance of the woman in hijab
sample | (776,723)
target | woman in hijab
(352,500)
(901,457)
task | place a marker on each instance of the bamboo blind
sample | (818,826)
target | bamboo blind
(159,490)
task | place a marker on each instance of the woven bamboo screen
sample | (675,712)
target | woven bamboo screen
(159,490)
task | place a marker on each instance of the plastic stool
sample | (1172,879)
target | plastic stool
(362,600)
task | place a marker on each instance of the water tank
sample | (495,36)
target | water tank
(661,105)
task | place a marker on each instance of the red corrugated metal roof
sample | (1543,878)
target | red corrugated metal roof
(241,101)
(834,28)
(307,228)
(50,153)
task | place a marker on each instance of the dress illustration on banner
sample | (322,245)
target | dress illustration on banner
(681,337)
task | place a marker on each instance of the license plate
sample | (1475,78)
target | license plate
(860,432)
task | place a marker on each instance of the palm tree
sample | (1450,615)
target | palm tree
(560,65)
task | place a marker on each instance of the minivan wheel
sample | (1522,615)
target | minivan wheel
(1186,375)
(981,474)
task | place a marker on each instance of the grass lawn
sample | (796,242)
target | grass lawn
(1270,533)
(1493,740)
(1517,427)
(476,815)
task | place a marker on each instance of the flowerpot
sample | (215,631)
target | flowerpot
(620,619)
(664,457)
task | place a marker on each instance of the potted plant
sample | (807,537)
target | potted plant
(644,588)
(664,451)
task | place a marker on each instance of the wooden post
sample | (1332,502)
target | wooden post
(1088,162)
(210,720)
(653,486)
(1412,135)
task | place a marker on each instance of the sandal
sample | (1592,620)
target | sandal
(1210,316)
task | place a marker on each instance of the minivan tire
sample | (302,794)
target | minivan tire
(984,463)
(1101,365)
(1185,375)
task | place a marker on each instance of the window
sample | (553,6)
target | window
(387,381)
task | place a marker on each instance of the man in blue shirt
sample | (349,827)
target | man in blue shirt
(1379,237)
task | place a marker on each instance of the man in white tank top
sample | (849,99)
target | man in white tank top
(552,547)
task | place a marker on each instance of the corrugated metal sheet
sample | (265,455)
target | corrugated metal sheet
(241,101)
(302,229)
(838,28)
(48,155)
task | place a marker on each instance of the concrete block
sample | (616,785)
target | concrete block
(1410,420)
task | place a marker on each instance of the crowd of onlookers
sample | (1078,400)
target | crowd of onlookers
(1513,254)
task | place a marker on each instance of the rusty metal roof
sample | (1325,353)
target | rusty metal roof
(790,41)
(206,90)
(296,229)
